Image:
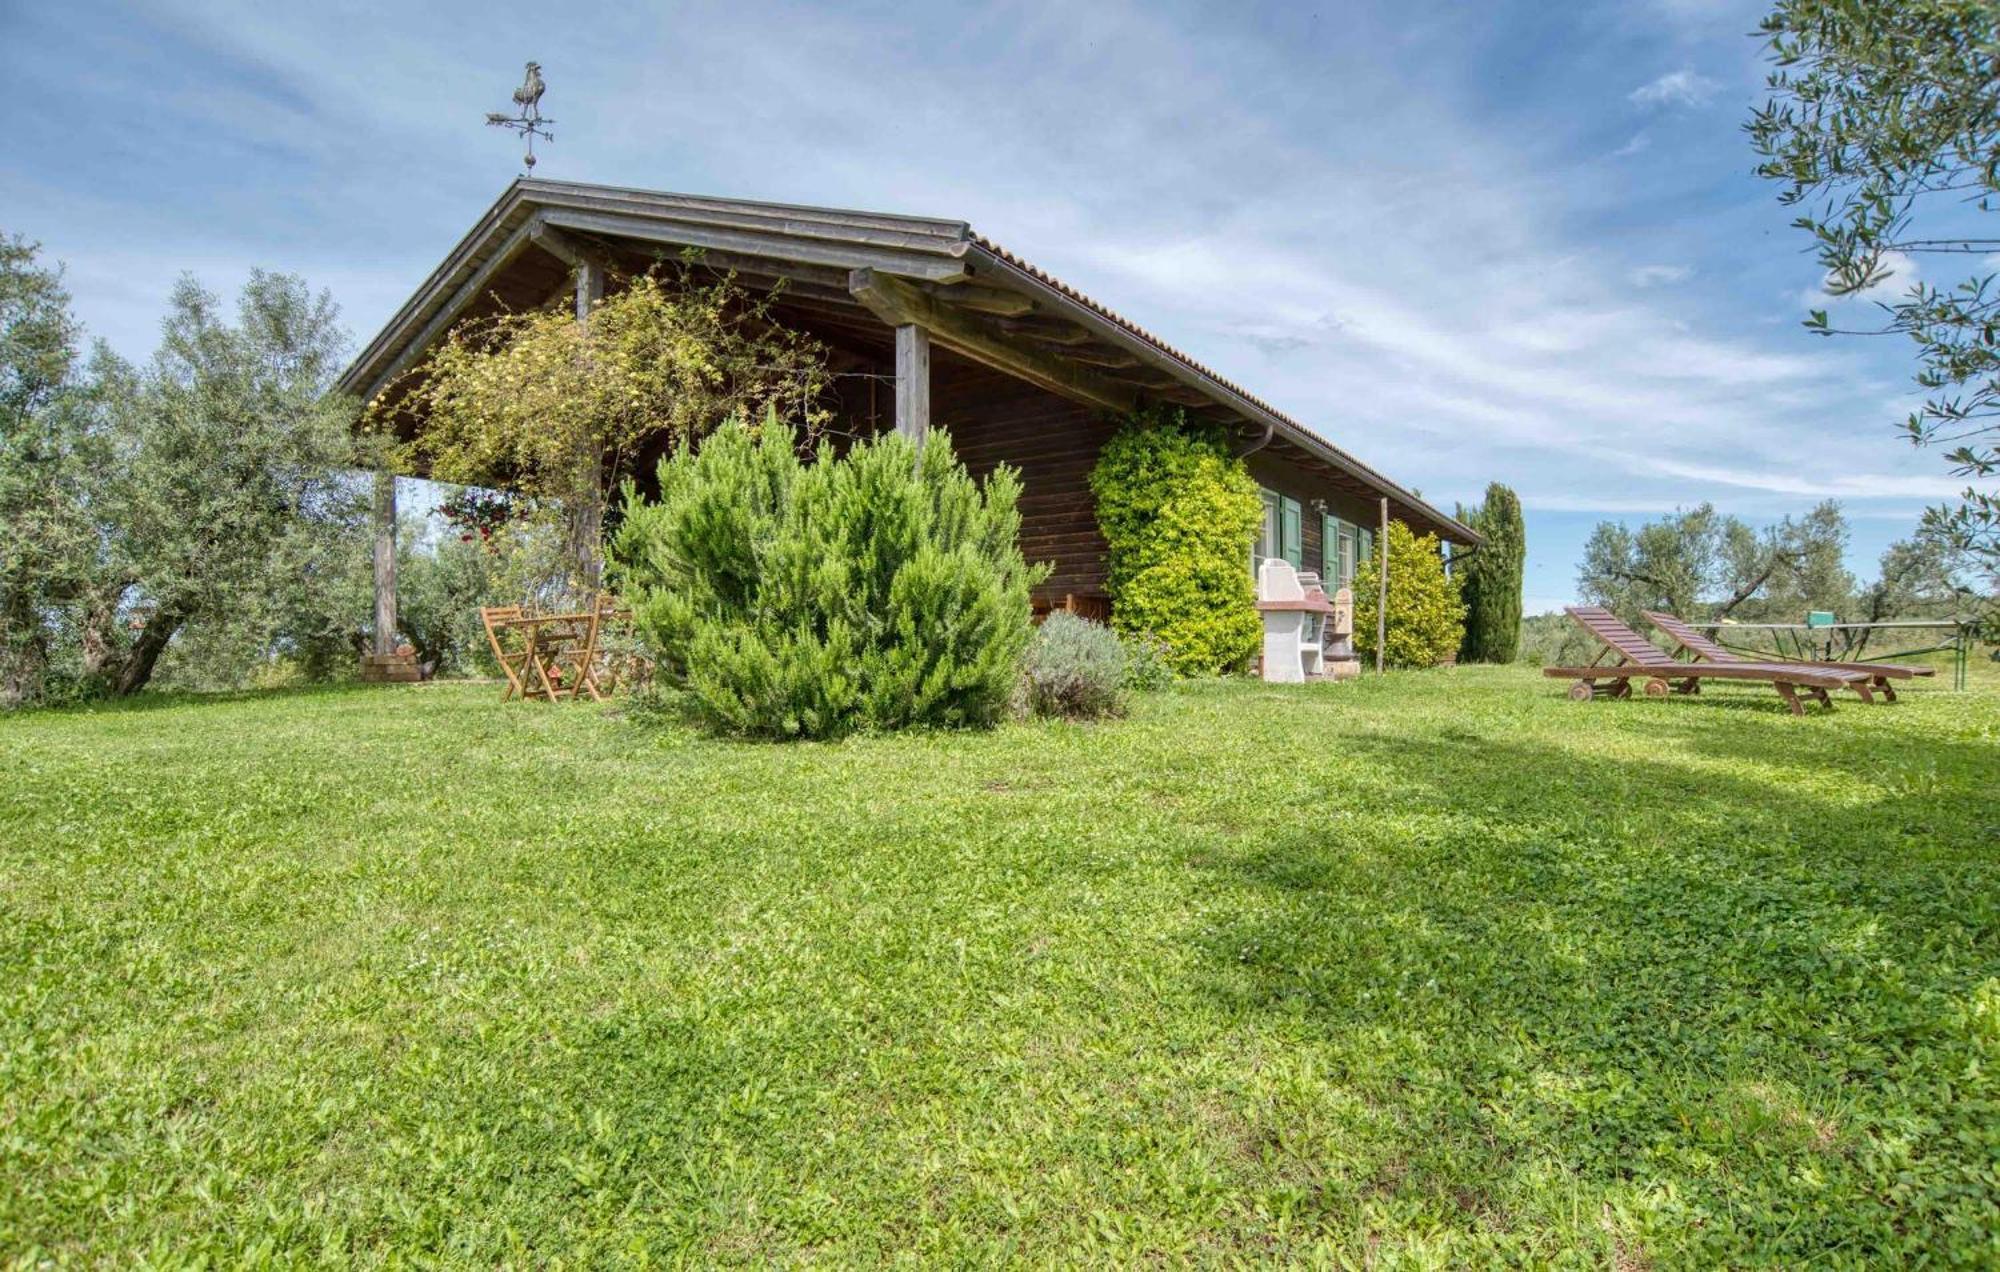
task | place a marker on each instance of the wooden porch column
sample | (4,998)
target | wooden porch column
(384,519)
(1382,602)
(589,287)
(588,524)
(913,382)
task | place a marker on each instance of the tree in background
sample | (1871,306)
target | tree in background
(230,476)
(46,460)
(178,500)
(1179,513)
(559,410)
(1885,118)
(879,589)
(1426,614)
(1705,564)
(1490,579)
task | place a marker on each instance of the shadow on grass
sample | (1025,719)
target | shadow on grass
(1728,993)
(159,700)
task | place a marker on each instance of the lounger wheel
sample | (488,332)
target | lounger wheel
(1656,688)
(1581,691)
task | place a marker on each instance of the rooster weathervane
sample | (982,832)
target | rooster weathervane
(529,122)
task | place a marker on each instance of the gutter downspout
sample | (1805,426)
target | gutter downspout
(1270,431)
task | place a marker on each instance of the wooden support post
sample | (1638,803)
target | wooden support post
(913,382)
(1382,604)
(589,287)
(384,519)
(587,521)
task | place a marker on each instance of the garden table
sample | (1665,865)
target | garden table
(557,655)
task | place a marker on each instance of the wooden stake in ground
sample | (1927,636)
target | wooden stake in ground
(1382,603)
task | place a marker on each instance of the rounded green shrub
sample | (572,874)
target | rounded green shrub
(877,590)
(1426,614)
(1074,669)
(1179,513)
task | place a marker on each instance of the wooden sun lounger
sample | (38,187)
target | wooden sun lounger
(1705,650)
(1640,659)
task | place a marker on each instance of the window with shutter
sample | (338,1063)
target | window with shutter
(1268,534)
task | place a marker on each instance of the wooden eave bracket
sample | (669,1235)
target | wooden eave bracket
(898,303)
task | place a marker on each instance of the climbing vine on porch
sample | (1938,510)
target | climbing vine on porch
(559,410)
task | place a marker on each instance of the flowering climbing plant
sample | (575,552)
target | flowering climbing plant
(558,411)
(477,515)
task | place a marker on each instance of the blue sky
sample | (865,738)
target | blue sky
(1468,242)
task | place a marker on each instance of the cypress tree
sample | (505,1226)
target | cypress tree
(1492,579)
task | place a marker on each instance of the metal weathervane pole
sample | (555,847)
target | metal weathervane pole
(528,121)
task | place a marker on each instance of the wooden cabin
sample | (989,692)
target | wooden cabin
(929,324)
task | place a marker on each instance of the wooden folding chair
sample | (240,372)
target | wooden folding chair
(617,661)
(565,656)
(516,655)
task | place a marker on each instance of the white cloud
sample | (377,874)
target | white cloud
(1658,275)
(1639,142)
(1676,88)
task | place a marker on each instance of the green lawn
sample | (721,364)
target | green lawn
(1438,969)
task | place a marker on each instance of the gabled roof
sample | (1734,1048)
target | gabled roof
(976,296)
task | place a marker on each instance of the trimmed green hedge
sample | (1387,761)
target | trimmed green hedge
(1180,513)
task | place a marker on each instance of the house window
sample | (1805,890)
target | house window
(1267,533)
(1282,533)
(1339,544)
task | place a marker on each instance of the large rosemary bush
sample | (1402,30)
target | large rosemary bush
(876,590)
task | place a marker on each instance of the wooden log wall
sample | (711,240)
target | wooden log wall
(994,418)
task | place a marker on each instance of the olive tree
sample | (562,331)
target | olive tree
(1883,125)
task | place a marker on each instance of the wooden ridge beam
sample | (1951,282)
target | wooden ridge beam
(826,276)
(774,246)
(896,302)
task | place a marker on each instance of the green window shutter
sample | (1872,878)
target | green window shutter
(1292,526)
(1329,551)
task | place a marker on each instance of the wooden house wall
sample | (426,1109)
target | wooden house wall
(1053,442)
(995,418)
(1317,498)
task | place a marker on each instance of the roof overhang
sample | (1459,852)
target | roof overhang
(974,296)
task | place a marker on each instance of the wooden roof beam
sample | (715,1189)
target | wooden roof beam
(985,300)
(811,251)
(828,277)
(1046,330)
(1100,356)
(896,302)
(568,249)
